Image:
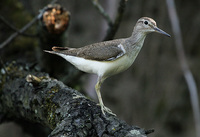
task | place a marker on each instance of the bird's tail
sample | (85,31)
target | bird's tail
(52,52)
(60,48)
(57,50)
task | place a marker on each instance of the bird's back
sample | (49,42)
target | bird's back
(102,51)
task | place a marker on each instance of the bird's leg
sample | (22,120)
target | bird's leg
(97,88)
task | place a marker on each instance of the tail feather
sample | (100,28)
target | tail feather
(52,52)
(60,48)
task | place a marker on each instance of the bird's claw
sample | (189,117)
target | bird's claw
(106,109)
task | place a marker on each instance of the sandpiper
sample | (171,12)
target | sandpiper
(109,57)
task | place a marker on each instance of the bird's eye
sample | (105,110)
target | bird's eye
(146,22)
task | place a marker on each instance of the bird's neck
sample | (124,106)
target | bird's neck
(137,38)
(134,44)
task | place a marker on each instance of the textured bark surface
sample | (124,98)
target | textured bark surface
(51,103)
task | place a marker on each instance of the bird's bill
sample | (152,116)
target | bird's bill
(161,31)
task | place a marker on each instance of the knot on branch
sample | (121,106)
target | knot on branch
(55,19)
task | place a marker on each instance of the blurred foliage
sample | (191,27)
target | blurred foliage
(17,16)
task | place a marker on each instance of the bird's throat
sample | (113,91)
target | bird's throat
(135,43)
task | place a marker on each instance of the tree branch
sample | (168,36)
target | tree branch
(14,35)
(113,26)
(102,11)
(14,28)
(38,98)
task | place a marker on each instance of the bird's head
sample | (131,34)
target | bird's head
(147,25)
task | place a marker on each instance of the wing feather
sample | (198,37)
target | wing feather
(103,51)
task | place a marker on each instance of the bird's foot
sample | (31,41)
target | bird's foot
(105,109)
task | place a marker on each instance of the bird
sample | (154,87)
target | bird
(108,58)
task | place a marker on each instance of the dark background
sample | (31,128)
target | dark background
(152,93)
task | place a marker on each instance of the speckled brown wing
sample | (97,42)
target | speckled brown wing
(103,51)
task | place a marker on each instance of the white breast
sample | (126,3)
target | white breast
(101,68)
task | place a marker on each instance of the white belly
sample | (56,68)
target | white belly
(101,68)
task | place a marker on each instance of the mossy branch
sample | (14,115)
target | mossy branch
(35,97)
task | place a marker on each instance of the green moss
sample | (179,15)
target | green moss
(2,78)
(50,106)
(14,70)
(51,114)
(54,89)
(8,72)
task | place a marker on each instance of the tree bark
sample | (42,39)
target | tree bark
(32,95)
